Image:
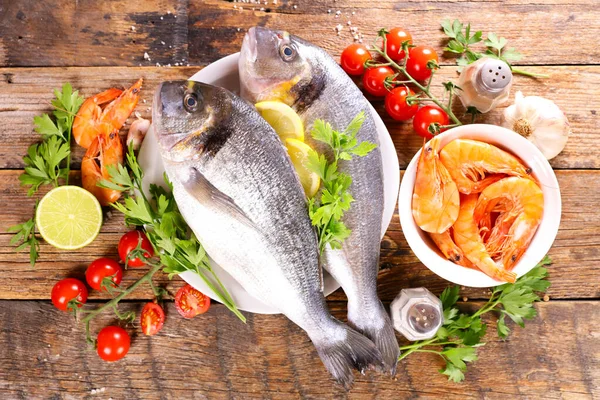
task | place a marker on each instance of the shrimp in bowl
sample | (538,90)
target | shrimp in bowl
(516,221)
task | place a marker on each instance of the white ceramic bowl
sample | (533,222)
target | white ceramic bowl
(224,72)
(425,249)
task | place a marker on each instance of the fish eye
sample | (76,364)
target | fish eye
(287,52)
(190,102)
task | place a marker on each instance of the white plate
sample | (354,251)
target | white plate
(224,72)
(425,249)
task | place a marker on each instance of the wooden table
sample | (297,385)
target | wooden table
(100,44)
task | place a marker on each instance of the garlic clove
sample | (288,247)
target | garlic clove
(137,132)
(539,120)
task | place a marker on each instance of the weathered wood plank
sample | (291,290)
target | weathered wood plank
(26,92)
(88,33)
(575,273)
(43,354)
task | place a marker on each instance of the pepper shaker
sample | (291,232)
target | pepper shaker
(485,84)
(417,313)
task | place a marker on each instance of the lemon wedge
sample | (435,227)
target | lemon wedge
(283,119)
(69,217)
(298,152)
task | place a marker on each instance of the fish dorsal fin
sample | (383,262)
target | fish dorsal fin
(208,195)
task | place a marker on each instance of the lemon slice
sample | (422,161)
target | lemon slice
(298,152)
(69,217)
(283,119)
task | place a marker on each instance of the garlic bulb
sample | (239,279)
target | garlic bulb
(540,121)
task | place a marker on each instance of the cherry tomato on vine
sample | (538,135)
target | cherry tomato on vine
(395,104)
(152,319)
(353,59)
(373,80)
(103,268)
(428,115)
(189,302)
(419,56)
(394,41)
(66,291)
(113,343)
(129,242)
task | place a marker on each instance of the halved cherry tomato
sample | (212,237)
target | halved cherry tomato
(129,242)
(394,41)
(152,319)
(373,80)
(189,302)
(67,291)
(426,116)
(353,59)
(419,56)
(103,268)
(395,104)
(113,343)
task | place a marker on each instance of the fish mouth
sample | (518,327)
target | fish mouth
(250,46)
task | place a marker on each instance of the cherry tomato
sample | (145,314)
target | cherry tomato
(395,104)
(426,116)
(353,59)
(373,80)
(416,66)
(68,290)
(189,302)
(152,319)
(129,242)
(394,41)
(113,343)
(103,268)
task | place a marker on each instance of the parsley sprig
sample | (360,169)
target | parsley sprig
(495,47)
(45,161)
(178,248)
(459,338)
(327,208)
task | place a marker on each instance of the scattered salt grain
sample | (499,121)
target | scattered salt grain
(168,12)
(95,391)
(328,11)
(146,56)
(133,28)
(163,43)
(262,9)
(161,18)
(295,6)
(353,13)
(275,2)
(349,23)
(174,16)
(234,6)
(338,12)
(158,64)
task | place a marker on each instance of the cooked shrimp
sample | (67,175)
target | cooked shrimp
(523,203)
(474,165)
(105,150)
(449,249)
(435,201)
(467,237)
(94,113)
(88,121)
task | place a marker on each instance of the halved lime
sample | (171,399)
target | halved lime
(69,217)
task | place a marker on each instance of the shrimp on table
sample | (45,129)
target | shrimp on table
(521,202)
(449,249)
(474,165)
(106,111)
(467,237)
(105,150)
(435,200)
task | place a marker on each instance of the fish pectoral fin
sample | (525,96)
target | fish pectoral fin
(208,195)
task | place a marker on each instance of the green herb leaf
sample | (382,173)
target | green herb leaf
(460,355)
(449,296)
(45,126)
(503,330)
(24,236)
(453,372)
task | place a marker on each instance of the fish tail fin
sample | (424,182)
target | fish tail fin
(375,324)
(346,350)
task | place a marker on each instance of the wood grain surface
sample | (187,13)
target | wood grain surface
(99,44)
(43,354)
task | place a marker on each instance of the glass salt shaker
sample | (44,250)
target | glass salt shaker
(417,313)
(485,84)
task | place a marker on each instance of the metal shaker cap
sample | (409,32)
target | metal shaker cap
(417,313)
(495,75)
